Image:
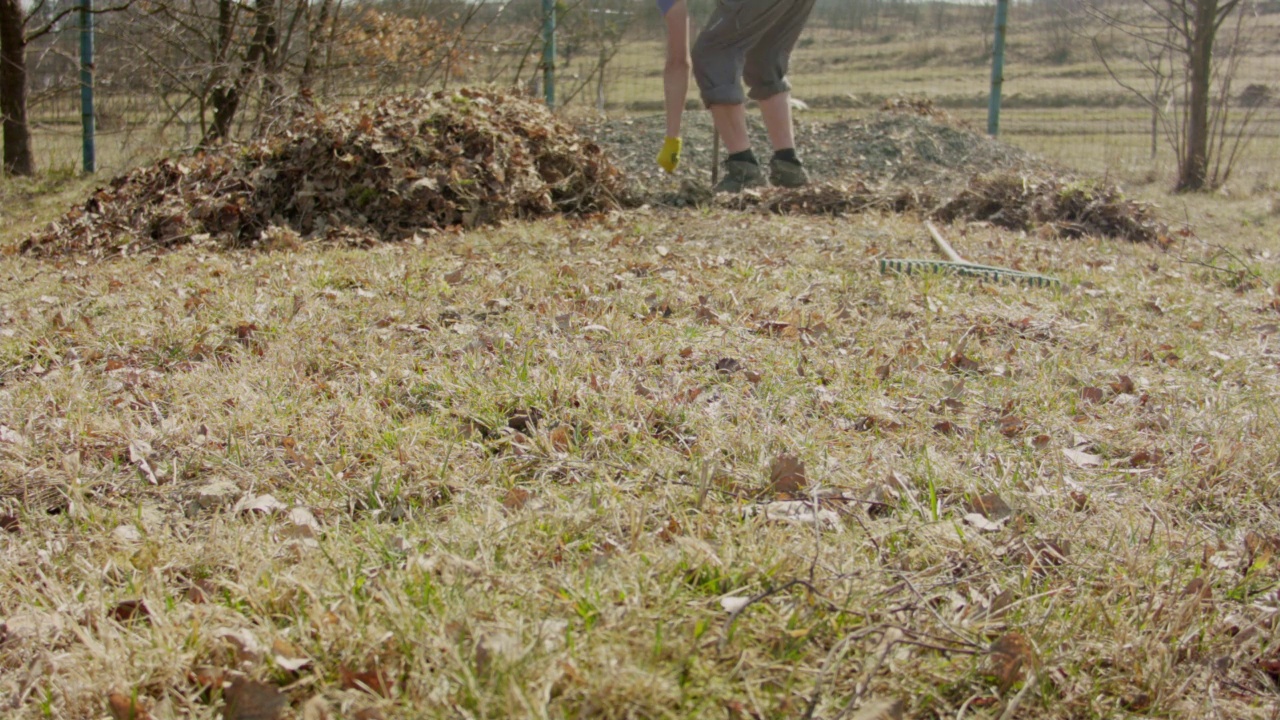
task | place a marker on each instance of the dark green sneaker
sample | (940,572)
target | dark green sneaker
(740,175)
(784,173)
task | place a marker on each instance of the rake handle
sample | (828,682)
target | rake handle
(715,153)
(942,243)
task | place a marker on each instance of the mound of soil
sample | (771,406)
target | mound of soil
(910,157)
(900,145)
(379,170)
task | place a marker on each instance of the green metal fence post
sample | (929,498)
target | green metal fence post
(997,68)
(86,85)
(549,51)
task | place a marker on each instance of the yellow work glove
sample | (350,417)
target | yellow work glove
(669,155)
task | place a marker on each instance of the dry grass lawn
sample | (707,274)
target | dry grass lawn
(660,464)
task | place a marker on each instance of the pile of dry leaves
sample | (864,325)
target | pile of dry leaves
(380,169)
(921,106)
(1071,207)
(831,199)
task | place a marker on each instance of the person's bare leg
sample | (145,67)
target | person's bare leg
(776,112)
(785,168)
(731,121)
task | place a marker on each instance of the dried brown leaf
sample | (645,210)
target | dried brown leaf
(959,362)
(1000,604)
(1091,394)
(1138,702)
(1123,385)
(1079,501)
(947,405)
(1009,659)
(728,366)
(872,422)
(1081,458)
(738,710)
(1012,426)
(1041,556)
(946,427)
(207,677)
(1143,458)
(253,700)
(561,438)
(124,707)
(130,610)
(524,421)
(516,499)
(670,531)
(990,506)
(371,681)
(243,643)
(1198,588)
(786,475)
(287,655)
(199,591)
(688,395)
(775,328)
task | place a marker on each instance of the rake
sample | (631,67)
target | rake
(956,265)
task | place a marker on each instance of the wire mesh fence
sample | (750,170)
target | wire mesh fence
(1077,90)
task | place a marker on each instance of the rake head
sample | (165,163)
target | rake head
(984,272)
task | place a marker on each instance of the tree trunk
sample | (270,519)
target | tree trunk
(18,158)
(224,98)
(315,39)
(1155,129)
(1192,167)
(225,101)
(269,20)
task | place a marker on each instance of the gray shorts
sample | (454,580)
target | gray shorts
(747,40)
